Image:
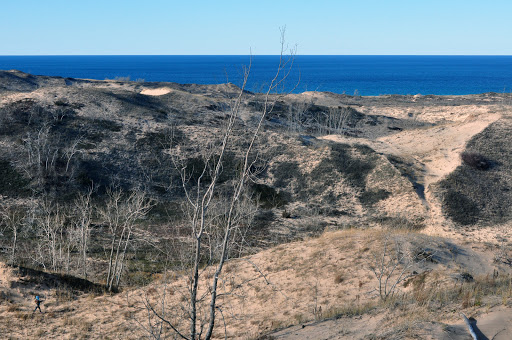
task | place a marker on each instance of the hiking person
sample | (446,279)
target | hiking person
(38,304)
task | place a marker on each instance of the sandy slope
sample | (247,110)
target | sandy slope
(435,152)
(286,285)
(328,272)
(496,323)
(438,148)
(156,92)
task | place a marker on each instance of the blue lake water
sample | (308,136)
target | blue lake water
(369,75)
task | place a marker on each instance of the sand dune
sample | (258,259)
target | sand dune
(156,92)
(343,202)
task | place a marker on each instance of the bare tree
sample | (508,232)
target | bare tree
(82,218)
(392,263)
(70,151)
(337,119)
(13,220)
(297,114)
(204,219)
(41,154)
(48,220)
(49,157)
(120,213)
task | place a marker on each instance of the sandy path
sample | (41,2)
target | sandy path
(437,148)
(435,151)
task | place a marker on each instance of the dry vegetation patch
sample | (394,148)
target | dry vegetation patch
(327,277)
(395,161)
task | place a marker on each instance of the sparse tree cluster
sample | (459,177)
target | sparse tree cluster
(305,116)
(56,220)
(121,214)
(56,236)
(48,158)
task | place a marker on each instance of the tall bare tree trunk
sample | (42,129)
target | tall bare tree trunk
(199,201)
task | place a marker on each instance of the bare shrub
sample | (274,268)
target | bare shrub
(503,252)
(12,221)
(475,160)
(391,265)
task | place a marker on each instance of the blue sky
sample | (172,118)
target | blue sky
(56,27)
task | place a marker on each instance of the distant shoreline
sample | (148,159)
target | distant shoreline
(158,85)
(364,75)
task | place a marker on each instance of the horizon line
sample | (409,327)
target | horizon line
(254,55)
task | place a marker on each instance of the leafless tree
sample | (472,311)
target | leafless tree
(70,151)
(335,120)
(391,264)
(297,114)
(41,154)
(204,220)
(48,219)
(49,158)
(120,213)
(13,220)
(82,213)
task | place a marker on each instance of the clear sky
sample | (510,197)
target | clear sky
(56,27)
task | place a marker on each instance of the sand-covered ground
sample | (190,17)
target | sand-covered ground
(310,273)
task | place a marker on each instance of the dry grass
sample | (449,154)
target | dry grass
(320,278)
(349,310)
(13,308)
(484,290)
(22,315)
